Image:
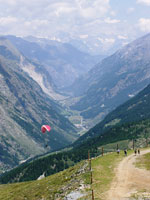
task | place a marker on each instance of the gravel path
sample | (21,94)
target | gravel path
(129,179)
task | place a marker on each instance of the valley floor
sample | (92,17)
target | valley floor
(130,181)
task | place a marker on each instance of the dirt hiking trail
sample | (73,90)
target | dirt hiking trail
(129,180)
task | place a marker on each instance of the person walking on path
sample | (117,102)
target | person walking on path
(129,180)
(118,151)
(125,152)
(139,151)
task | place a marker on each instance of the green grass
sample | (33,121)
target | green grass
(52,187)
(113,146)
(143,161)
(57,186)
(113,122)
(103,172)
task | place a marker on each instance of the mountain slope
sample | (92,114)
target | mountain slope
(128,122)
(36,71)
(57,186)
(114,80)
(51,164)
(61,60)
(134,110)
(24,108)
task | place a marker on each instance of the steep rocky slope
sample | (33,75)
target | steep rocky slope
(24,107)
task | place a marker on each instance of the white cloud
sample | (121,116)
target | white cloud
(65,15)
(9,2)
(145,2)
(56,39)
(61,8)
(37,25)
(113,13)
(122,37)
(83,36)
(110,40)
(144,24)
(64,19)
(7,20)
(92,9)
(111,21)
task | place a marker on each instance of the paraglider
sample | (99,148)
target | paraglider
(45,128)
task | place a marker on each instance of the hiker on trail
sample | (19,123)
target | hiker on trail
(118,151)
(138,151)
(125,152)
(135,151)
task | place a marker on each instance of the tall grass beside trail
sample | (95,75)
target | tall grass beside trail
(143,161)
(103,172)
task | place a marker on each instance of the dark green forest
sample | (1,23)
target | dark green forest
(135,109)
(59,161)
(130,121)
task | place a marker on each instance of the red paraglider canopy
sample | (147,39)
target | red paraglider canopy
(45,128)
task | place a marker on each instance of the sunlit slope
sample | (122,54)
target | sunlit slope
(53,187)
(75,180)
(24,107)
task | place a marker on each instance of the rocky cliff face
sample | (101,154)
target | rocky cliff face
(24,107)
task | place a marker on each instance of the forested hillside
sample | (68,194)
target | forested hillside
(134,110)
(24,108)
(129,122)
(139,132)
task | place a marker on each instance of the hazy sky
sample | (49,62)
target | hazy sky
(105,20)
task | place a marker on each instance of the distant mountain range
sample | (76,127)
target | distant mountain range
(24,107)
(99,45)
(63,62)
(113,81)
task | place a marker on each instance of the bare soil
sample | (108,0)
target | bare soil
(129,180)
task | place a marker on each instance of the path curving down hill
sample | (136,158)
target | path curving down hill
(129,180)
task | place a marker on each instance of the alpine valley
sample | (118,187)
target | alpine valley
(111,97)
(113,81)
(127,123)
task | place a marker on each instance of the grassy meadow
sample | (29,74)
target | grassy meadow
(143,161)
(103,172)
(53,187)
(58,186)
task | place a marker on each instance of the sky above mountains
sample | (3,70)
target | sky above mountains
(95,22)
